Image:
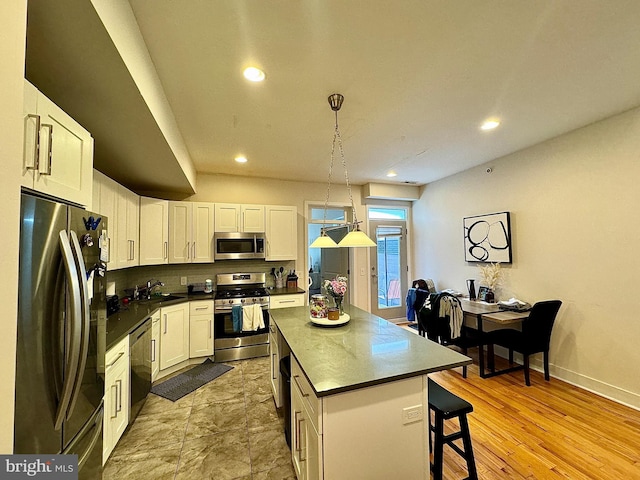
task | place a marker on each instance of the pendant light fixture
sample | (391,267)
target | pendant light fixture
(355,237)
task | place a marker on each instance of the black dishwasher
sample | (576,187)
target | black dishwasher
(140,351)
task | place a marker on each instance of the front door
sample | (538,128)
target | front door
(389,269)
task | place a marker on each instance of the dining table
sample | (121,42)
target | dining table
(483,317)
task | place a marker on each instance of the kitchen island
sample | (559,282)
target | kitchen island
(359,396)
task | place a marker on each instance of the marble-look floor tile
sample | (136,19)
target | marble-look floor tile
(158,464)
(261,410)
(210,418)
(280,472)
(268,449)
(155,404)
(217,457)
(153,431)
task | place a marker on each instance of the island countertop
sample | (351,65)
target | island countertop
(364,352)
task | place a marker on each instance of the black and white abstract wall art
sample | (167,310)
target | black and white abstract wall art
(487,238)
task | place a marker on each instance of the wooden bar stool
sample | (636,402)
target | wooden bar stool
(446,406)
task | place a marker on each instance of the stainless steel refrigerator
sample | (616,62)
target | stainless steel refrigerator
(61,332)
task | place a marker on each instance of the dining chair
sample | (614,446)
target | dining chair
(438,329)
(534,338)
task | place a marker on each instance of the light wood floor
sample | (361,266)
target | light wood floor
(546,431)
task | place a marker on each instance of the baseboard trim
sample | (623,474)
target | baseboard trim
(606,390)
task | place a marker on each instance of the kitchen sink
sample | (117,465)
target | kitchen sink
(168,298)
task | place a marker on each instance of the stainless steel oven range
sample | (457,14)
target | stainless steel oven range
(237,291)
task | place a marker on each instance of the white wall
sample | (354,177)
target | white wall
(575,229)
(13,14)
(236,189)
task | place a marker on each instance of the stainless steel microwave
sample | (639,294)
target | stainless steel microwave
(239,246)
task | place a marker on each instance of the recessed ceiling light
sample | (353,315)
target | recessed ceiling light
(253,74)
(241,159)
(392,174)
(490,124)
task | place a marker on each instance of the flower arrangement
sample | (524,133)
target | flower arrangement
(491,275)
(336,287)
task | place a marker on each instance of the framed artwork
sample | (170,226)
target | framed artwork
(482,293)
(487,238)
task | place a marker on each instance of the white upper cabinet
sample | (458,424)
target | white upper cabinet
(191,227)
(105,193)
(154,231)
(58,152)
(227,217)
(234,217)
(281,232)
(127,217)
(252,218)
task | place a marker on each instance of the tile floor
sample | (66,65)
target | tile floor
(228,429)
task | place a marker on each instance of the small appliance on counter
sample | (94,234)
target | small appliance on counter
(113,305)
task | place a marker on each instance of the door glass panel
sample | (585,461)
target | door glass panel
(388,239)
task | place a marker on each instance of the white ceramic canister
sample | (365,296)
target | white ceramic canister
(208,286)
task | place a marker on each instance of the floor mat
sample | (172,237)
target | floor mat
(185,383)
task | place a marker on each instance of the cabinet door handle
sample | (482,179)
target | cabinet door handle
(286,301)
(119,408)
(165,323)
(210,328)
(303,445)
(274,374)
(202,308)
(115,402)
(194,250)
(295,379)
(297,423)
(153,350)
(166,250)
(35,156)
(49,150)
(188,251)
(133,249)
(117,358)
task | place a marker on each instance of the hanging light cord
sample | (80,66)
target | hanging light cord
(337,136)
(335,101)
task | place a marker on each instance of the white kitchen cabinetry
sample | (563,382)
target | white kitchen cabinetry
(127,233)
(281,232)
(154,231)
(191,227)
(174,335)
(233,217)
(278,349)
(105,193)
(286,301)
(200,328)
(306,427)
(155,345)
(116,396)
(58,152)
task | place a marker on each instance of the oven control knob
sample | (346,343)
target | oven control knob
(230,302)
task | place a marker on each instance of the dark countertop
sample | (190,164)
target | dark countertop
(366,351)
(120,324)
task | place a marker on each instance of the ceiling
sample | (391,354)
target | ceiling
(419,77)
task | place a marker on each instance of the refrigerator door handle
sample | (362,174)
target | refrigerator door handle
(81,271)
(75,329)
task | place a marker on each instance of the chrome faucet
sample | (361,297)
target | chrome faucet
(150,286)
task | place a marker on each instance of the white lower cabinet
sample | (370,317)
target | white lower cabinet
(275,356)
(306,427)
(116,397)
(155,345)
(200,328)
(286,301)
(174,335)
